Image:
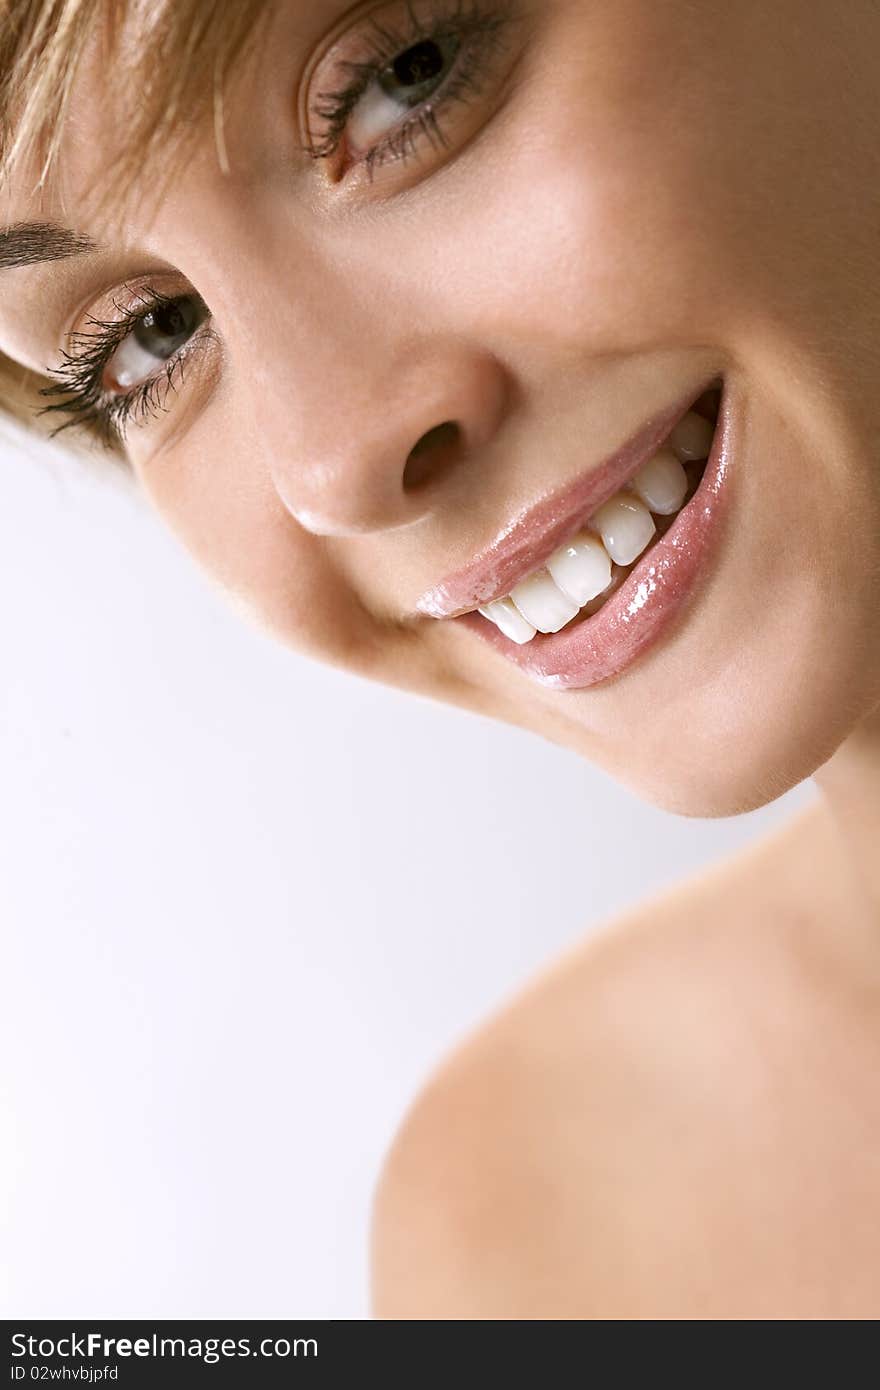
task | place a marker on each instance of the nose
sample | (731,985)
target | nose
(379,443)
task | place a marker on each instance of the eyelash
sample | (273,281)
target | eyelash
(476,25)
(79,378)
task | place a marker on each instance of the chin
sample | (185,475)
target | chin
(728,743)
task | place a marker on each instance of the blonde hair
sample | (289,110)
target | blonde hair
(171,60)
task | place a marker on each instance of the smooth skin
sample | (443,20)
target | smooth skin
(680,1118)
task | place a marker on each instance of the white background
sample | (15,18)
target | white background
(247,903)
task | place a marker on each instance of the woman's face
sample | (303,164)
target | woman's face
(546,228)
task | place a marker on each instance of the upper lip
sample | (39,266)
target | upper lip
(532,535)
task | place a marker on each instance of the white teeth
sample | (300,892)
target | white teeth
(625,525)
(542,603)
(692,437)
(506,616)
(582,568)
(661,484)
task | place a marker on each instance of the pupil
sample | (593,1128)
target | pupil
(166,328)
(418,64)
(168,319)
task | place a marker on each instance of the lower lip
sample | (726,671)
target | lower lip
(650,599)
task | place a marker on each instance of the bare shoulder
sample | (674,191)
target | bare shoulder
(564,1162)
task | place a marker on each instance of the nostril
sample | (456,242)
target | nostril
(432,455)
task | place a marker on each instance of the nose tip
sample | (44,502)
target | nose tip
(383,464)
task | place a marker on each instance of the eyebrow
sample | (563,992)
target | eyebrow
(30,243)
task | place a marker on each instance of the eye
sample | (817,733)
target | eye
(155,337)
(393,80)
(130,368)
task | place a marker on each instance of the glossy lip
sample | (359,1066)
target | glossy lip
(654,593)
(533,535)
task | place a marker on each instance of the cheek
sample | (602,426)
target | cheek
(597,235)
(653,190)
(231,521)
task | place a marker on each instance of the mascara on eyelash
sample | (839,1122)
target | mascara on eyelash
(471,21)
(79,375)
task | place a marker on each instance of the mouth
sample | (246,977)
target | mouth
(583,582)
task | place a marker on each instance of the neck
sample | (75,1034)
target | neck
(850,787)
